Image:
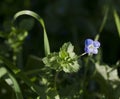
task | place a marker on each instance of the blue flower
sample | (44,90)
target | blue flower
(91,47)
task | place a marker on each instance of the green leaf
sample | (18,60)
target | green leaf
(37,17)
(2,71)
(65,59)
(68,58)
(39,90)
(67,50)
(106,89)
(12,80)
(15,38)
(107,72)
(52,94)
(117,21)
(51,61)
(38,97)
(16,87)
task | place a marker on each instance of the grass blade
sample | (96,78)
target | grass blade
(103,23)
(14,85)
(22,76)
(117,20)
(37,17)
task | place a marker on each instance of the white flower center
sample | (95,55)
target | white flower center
(91,46)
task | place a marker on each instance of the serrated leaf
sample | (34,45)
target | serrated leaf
(51,61)
(65,59)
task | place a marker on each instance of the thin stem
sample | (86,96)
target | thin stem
(55,83)
(103,23)
(36,71)
(81,55)
(85,75)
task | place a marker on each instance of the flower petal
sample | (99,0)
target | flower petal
(95,51)
(96,44)
(88,42)
(88,50)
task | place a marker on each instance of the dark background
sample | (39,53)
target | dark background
(66,20)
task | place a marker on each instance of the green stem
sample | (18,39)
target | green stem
(36,71)
(103,23)
(55,83)
(81,55)
(84,76)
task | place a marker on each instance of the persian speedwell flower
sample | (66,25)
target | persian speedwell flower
(91,47)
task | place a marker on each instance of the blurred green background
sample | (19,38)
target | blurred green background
(65,20)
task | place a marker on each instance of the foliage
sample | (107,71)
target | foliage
(62,74)
(64,60)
